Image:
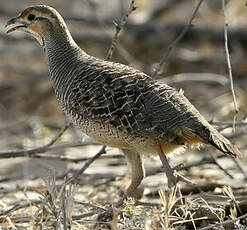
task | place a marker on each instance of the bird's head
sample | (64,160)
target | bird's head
(37,20)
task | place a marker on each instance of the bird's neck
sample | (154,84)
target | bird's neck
(58,41)
(63,57)
(60,47)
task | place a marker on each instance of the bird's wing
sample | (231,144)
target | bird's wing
(129,99)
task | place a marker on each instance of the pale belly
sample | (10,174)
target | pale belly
(122,139)
(108,135)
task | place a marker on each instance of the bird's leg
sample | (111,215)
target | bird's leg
(137,174)
(170,172)
(172,176)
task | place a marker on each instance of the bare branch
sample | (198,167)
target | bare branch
(240,167)
(228,123)
(19,206)
(171,47)
(207,78)
(220,167)
(75,160)
(30,152)
(118,28)
(86,165)
(203,161)
(224,223)
(229,66)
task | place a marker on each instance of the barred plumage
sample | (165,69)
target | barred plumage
(116,104)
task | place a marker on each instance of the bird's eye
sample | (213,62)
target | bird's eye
(31,17)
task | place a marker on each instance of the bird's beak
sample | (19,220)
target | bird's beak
(31,28)
(18,22)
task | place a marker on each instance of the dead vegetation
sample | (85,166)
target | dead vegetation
(66,181)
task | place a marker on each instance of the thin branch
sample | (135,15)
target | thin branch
(228,123)
(118,28)
(20,206)
(66,145)
(86,165)
(171,47)
(90,205)
(75,160)
(220,167)
(85,215)
(240,167)
(74,178)
(203,161)
(224,223)
(229,65)
(30,152)
(208,78)
(102,22)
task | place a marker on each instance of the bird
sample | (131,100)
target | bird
(118,105)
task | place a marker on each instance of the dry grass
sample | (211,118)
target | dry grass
(61,206)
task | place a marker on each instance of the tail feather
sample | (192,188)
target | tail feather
(223,144)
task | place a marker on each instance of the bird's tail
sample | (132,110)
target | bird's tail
(223,144)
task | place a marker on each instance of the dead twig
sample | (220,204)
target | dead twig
(86,165)
(75,160)
(220,167)
(90,205)
(19,206)
(229,123)
(30,152)
(229,66)
(118,28)
(171,47)
(65,145)
(85,215)
(207,78)
(224,222)
(203,161)
(240,167)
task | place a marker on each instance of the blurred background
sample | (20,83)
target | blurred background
(29,114)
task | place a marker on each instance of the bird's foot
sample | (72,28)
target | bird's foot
(173,177)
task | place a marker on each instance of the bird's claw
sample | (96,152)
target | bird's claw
(177,167)
(173,177)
